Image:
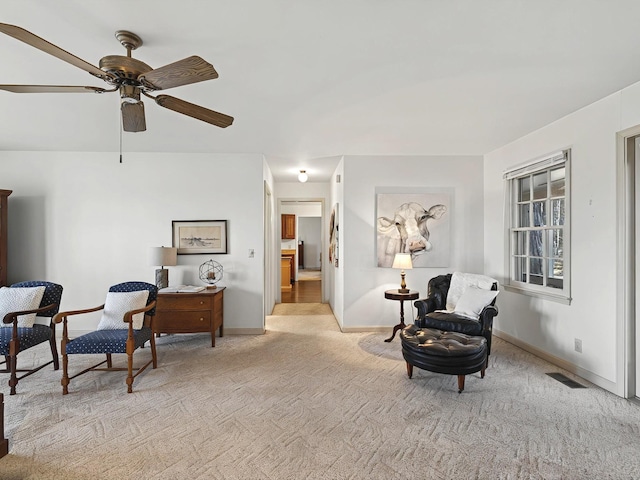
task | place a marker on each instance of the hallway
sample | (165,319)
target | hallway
(304,291)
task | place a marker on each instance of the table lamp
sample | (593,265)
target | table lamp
(402,261)
(163,256)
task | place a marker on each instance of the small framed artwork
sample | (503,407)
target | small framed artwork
(194,237)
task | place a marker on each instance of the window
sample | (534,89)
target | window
(538,227)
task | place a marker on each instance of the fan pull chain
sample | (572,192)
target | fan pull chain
(120,122)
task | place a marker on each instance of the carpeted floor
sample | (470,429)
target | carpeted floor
(305,401)
(302,309)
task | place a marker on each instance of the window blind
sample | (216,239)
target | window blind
(537,164)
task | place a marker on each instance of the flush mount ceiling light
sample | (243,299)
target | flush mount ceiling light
(302,176)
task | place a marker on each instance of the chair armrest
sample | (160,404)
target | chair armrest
(59,317)
(128,317)
(13,316)
(486,317)
(424,306)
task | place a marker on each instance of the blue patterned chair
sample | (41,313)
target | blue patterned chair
(125,326)
(16,337)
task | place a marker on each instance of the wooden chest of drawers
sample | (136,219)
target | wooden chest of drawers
(4,443)
(190,313)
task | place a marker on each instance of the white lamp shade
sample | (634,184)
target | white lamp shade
(302,176)
(403,261)
(163,256)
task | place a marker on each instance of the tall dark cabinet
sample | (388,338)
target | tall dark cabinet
(4,195)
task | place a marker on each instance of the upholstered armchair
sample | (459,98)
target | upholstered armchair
(26,311)
(459,302)
(125,326)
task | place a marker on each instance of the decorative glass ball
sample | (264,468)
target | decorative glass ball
(210,272)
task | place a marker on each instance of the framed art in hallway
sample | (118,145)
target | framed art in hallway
(333,236)
(416,221)
(193,237)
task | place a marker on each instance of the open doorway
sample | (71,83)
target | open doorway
(301,251)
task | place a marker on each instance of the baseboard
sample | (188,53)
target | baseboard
(560,362)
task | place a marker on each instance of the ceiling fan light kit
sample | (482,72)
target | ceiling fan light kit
(130,77)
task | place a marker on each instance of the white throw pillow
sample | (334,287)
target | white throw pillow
(119,303)
(460,282)
(19,299)
(473,301)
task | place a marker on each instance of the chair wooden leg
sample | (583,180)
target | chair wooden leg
(54,352)
(65,372)
(482,373)
(153,352)
(14,346)
(129,372)
(409,369)
(460,383)
(13,378)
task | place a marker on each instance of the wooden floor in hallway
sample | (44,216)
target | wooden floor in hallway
(308,291)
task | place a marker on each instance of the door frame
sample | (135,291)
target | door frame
(626,259)
(323,260)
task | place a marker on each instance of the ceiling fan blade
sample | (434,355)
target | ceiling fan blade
(195,111)
(52,89)
(41,44)
(183,72)
(133,117)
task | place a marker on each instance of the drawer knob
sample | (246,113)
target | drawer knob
(201,319)
(201,302)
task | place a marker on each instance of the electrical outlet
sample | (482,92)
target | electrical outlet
(251,253)
(578,345)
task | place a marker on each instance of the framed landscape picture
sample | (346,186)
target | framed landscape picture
(193,237)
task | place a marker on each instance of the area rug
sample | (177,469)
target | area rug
(309,275)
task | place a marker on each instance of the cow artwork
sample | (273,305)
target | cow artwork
(406,230)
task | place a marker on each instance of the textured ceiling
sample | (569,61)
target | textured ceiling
(310,80)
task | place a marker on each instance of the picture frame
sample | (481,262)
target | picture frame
(414,220)
(333,236)
(197,237)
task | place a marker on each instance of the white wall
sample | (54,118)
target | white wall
(86,221)
(550,327)
(364,282)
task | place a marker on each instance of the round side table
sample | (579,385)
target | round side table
(401,297)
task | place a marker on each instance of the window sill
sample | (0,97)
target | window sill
(543,295)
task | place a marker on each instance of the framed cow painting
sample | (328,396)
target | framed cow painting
(415,223)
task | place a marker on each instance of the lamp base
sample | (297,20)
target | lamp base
(162,278)
(403,290)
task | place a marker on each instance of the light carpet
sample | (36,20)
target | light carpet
(305,401)
(302,309)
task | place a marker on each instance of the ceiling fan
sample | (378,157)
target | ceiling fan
(130,77)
